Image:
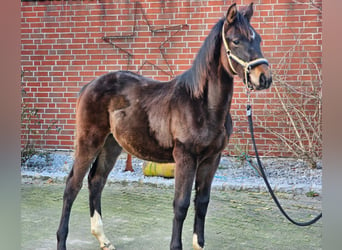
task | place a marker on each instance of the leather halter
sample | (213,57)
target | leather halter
(247,66)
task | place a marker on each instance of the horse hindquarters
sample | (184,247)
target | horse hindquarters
(91,133)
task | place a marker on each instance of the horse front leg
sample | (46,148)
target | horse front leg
(184,177)
(204,177)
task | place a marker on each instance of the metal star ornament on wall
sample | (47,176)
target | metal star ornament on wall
(115,41)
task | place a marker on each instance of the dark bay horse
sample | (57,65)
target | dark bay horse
(185,120)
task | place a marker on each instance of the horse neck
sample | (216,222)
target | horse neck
(207,78)
(210,74)
(220,92)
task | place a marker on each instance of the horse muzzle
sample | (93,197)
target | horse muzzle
(260,77)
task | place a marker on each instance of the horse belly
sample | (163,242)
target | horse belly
(132,132)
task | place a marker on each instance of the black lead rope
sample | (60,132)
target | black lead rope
(250,122)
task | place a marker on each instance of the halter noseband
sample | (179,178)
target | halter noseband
(247,66)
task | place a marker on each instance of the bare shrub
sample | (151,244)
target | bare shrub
(299,111)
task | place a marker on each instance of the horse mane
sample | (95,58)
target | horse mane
(207,59)
(205,63)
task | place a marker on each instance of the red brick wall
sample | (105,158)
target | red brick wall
(63,48)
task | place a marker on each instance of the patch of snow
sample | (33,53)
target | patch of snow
(285,175)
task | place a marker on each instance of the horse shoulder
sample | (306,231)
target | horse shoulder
(158,105)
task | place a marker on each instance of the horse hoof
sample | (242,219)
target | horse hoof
(195,244)
(197,247)
(108,246)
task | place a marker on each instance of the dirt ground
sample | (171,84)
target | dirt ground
(139,216)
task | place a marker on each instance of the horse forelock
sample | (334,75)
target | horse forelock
(243,26)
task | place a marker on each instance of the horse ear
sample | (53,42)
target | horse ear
(231,13)
(249,12)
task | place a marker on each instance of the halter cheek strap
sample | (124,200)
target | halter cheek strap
(247,66)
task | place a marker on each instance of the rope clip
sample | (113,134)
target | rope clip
(249,110)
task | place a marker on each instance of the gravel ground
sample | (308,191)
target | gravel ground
(285,175)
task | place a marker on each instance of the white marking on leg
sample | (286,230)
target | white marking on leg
(98,232)
(195,244)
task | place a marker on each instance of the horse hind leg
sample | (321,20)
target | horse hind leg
(97,177)
(86,151)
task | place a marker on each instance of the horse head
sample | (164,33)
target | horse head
(241,43)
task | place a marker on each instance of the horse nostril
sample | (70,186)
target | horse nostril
(262,81)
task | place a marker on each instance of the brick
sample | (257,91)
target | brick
(63,66)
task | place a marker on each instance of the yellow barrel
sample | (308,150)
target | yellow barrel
(159,169)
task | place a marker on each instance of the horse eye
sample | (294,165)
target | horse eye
(236,41)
